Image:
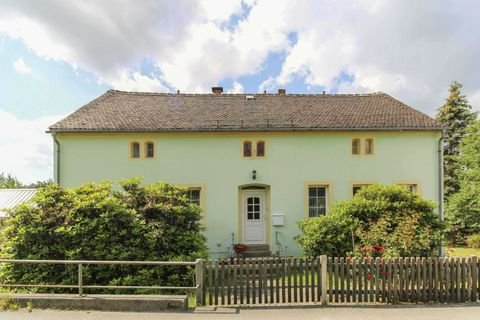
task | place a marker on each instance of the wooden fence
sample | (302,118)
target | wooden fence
(324,280)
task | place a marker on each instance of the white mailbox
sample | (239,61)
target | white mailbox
(278,219)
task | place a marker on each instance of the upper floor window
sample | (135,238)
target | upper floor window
(356,146)
(247,148)
(194,196)
(135,150)
(260,148)
(149,150)
(369,146)
(317,201)
(253,149)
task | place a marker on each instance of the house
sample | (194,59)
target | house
(255,163)
(10,198)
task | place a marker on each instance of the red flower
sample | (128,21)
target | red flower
(369,277)
(239,248)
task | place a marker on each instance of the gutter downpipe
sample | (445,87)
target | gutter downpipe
(57,159)
(440,186)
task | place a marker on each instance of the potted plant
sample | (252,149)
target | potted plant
(239,249)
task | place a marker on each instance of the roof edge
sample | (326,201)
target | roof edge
(250,130)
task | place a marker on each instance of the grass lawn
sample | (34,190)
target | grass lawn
(462,252)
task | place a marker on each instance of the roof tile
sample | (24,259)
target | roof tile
(137,111)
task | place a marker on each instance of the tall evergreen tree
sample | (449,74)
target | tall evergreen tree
(456,115)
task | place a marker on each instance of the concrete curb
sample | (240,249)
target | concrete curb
(132,303)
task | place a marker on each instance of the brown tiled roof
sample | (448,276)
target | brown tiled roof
(135,111)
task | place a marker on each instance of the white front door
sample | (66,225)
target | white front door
(254,217)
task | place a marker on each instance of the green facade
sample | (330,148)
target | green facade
(292,160)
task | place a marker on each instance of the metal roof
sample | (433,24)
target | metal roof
(10,198)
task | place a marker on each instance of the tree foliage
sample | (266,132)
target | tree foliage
(94,222)
(400,222)
(456,115)
(7,181)
(463,209)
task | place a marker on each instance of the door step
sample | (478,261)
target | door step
(257,250)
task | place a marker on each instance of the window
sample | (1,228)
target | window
(149,150)
(357,187)
(247,148)
(194,196)
(317,201)
(253,208)
(135,150)
(369,146)
(260,148)
(411,187)
(356,146)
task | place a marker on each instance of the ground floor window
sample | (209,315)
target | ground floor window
(357,187)
(317,201)
(413,188)
(194,196)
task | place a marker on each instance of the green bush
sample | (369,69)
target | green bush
(399,222)
(331,235)
(473,241)
(93,222)
(463,212)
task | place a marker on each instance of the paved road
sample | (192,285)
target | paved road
(465,312)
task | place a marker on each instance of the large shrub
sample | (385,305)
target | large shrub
(93,222)
(399,222)
(331,235)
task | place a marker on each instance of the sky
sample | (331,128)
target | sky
(57,55)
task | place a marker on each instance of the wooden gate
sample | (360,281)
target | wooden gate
(262,281)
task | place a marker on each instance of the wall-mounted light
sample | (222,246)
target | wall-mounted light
(254,174)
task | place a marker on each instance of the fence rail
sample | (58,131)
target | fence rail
(285,280)
(198,264)
(340,280)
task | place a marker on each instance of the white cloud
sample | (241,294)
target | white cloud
(405,50)
(412,51)
(20,66)
(137,82)
(237,87)
(268,85)
(25,148)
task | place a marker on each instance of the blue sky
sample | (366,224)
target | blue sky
(56,56)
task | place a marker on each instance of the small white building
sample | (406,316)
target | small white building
(10,198)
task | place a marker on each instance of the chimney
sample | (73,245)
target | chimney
(217,90)
(282,91)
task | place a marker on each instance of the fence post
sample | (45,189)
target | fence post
(199,281)
(474,275)
(80,280)
(323,279)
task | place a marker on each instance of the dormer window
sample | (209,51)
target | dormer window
(247,148)
(135,150)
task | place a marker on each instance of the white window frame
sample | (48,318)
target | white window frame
(326,188)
